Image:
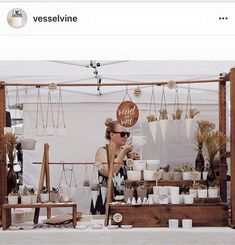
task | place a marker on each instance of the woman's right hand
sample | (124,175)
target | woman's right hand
(127,148)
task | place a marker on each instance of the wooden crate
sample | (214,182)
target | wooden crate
(157,215)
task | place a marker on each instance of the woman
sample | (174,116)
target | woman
(117,135)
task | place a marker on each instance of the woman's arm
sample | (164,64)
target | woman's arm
(101,156)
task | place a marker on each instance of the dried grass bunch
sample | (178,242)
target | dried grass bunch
(9,140)
(193,112)
(177,114)
(203,127)
(163,114)
(151,118)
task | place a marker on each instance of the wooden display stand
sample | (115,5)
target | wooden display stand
(222,127)
(157,215)
(6,211)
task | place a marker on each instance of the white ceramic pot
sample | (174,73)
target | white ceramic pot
(28,144)
(149,174)
(166,176)
(163,190)
(212,192)
(19,130)
(134,175)
(155,198)
(156,190)
(187,176)
(153,129)
(44,197)
(181,198)
(188,199)
(139,165)
(197,175)
(204,175)
(193,192)
(16,21)
(153,164)
(26,199)
(50,131)
(12,199)
(202,193)
(187,223)
(177,176)
(33,199)
(175,199)
(150,199)
(174,190)
(163,199)
(173,223)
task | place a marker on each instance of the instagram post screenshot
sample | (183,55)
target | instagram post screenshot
(117,122)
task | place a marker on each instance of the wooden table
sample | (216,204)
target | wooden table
(6,211)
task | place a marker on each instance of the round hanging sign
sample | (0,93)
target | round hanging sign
(127,114)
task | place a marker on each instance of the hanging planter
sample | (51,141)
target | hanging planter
(190,114)
(152,117)
(60,129)
(163,117)
(72,187)
(50,127)
(40,129)
(64,188)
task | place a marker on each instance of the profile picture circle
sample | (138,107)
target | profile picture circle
(17,18)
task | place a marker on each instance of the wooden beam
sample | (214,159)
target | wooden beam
(3,174)
(222,128)
(31,84)
(232,142)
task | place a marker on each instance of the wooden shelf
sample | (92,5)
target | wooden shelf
(6,211)
(157,215)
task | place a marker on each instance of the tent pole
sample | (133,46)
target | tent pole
(222,128)
(232,143)
(3,174)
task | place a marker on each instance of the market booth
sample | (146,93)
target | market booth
(213,211)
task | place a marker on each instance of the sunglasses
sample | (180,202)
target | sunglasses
(123,134)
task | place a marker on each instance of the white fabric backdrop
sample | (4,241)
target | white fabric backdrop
(85,133)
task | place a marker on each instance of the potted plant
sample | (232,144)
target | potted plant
(54,195)
(212,190)
(44,194)
(128,191)
(166,175)
(202,191)
(177,114)
(33,195)
(13,197)
(25,197)
(177,173)
(142,192)
(184,190)
(193,190)
(187,171)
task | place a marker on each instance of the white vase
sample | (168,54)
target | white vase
(153,129)
(163,126)
(202,193)
(212,192)
(188,199)
(44,197)
(26,199)
(12,199)
(187,176)
(188,126)
(33,199)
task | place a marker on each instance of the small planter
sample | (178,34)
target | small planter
(187,175)
(55,197)
(204,175)
(149,174)
(26,199)
(202,193)
(163,200)
(12,199)
(193,192)
(142,193)
(197,175)
(174,190)
(177,176)
(155,198)
(212,192)
(44,197)
(166,176)
(139,165)
(134,175)
(153,129)
(163,190)
(175,199)
(33,199)
(188,199)
(153,164)
(128,193)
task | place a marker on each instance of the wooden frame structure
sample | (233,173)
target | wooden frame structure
(222,127)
